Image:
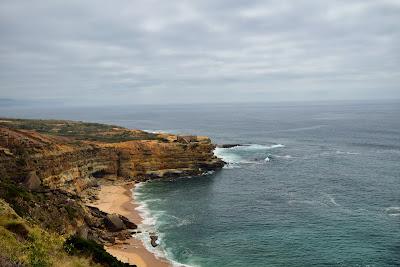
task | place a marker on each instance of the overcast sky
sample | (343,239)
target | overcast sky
(125,51)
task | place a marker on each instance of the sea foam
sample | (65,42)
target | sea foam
(393,211)
(233,156)
(149,225)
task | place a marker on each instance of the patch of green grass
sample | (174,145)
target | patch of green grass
(79,130)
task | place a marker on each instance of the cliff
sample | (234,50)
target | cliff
(49,169)
(73,155)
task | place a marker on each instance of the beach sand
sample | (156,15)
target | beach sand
(118,199)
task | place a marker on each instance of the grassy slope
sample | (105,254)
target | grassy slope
(28,245)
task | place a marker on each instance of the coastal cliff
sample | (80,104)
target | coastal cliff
(33,154)
(49,171)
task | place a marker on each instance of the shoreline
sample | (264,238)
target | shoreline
(118,198)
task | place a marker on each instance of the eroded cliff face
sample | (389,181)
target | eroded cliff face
(72,164)
(49,170)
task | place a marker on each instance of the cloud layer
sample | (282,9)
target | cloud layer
(129,51)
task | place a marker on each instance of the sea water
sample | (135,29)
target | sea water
(315,184)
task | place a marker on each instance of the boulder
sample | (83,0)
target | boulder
(123,235)
(154,240)
(93,237)
(108,238)
(32,182)
(114,223)
(83,232)
(127,222)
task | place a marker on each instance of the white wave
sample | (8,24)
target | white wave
(149,225)
(136,188)
(346,153)
(283,157)
(207,173)
(267,159)
(230,155)
(250,147)
(145,214)
(393,211)
(227,156)
(332,200)
(231,166)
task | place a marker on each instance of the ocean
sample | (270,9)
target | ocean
(315,184)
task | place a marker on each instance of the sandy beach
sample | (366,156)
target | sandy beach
(118,199)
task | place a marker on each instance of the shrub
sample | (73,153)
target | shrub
(18,228)
(75,245)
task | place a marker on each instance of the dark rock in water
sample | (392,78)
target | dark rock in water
(127,222)
(229,145)
(114,223)
(153,241)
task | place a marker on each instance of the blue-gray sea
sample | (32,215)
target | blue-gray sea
(317,184)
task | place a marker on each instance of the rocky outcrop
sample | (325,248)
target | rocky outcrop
(71,164)
(115,223)
(154,240)
(49,171)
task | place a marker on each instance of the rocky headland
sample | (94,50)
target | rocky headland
(51,171)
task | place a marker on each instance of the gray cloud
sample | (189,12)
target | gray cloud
(199,51)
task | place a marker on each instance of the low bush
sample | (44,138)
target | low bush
(75,245)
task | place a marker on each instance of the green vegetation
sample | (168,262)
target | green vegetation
(79,130)
(78,246)
(24,244)
(23,241)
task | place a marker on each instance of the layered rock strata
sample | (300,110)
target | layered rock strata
(49,171)
(72,164)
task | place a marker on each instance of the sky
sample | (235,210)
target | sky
(205,51)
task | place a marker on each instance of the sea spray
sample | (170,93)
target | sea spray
(245,154)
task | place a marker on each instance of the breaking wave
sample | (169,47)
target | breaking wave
(243,154)
(250,147)
(149,225)
(346,153)
(393,211)
(283,157)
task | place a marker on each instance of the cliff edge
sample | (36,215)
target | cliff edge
(73,155)
(50,169)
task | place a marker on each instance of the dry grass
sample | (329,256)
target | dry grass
(22,244)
